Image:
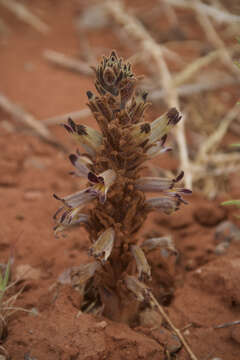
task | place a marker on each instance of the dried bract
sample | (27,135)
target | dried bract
(164,243)
(137,287)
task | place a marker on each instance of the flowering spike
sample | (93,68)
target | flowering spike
(115,156)
(141,261)
(102,248)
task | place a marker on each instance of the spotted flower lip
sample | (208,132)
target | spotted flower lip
(144,270)
(102,248)
(81,164)
(140,132)
(102,183)
(70,218)
(77,199)
(162,125)
(89,138)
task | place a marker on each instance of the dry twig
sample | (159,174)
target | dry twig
(29,120)
(216,14)
(214,139)
(61,118)
(194,67)
(67,62)
(21,115)
(237,322)
(213,36)
(22,13)
(156,304)
(195,88)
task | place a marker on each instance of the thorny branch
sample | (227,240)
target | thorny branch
(135,29)
(67,62)
(28,120)
(216,14)
(175,86)
(22,13)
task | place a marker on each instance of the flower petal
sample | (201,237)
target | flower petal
(140,132)
(81,163)
(151,184)
(90,139)
(162,125)
(166,204)
(102,248)
(77,199)
(102,183)
(69,218)
(143,267)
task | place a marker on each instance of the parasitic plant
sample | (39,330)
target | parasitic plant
(114,206)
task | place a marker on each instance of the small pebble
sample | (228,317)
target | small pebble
(32,195)
(221,248)
(27,272)
(101,325)
(226,231)
(209,215)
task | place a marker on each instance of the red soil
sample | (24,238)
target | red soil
(207,287)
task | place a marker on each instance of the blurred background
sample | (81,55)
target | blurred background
(188,52)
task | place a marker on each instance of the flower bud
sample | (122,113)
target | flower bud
(138,288)
(162,125)
(102,248)
(90,139)
(143,267)
(102,183)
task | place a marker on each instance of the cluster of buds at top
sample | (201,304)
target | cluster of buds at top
(114,205)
